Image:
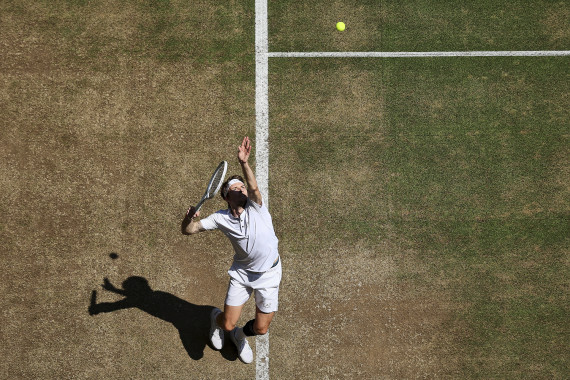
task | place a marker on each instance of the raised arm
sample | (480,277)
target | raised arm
(243,157)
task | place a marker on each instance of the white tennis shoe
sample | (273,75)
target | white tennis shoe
(244,351)
(216,332)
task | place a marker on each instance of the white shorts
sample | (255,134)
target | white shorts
(265,285)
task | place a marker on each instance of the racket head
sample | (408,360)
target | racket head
(216,181)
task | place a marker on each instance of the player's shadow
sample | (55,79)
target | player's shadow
(192,321)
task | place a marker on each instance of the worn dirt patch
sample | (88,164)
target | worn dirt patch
(103,150)
(346,310)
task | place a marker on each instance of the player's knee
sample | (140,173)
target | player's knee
(261,329)
(227,325)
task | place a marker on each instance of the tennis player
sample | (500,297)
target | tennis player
(256,264)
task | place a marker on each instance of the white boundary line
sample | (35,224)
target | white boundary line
(261,99)
(535,53)
(262,149)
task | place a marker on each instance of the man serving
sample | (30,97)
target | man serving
(256,266)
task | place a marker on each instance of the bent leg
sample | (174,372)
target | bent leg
(266,300)
(236,297)
(228,318)
(262,321)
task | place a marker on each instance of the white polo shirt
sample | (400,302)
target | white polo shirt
(251,235)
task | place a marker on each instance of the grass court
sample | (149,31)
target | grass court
(422,204)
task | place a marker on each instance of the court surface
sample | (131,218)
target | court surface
(421,200)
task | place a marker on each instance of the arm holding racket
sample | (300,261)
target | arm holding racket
(243,156)
(190,225)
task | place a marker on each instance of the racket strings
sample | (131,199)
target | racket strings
(216,182)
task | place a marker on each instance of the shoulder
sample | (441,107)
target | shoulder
(221,215)
(214,220)
(252,203)
(261,208)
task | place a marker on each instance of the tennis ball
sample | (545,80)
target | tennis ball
(340,26)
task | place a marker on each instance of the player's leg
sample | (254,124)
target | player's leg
(266,301)
(262,321)
(237,295)
(259,325)
(228,319)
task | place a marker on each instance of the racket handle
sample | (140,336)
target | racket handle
(199,205)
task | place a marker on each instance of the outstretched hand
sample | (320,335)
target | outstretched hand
(244,150)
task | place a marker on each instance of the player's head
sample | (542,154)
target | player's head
(234,190)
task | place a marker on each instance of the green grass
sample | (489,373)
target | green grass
(478,147)
(419,25)
(460,163)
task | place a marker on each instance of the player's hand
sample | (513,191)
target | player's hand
(192,213)
(244,150)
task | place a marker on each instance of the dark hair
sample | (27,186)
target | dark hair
(226,184)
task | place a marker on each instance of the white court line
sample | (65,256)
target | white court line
(261,149)
(261,99)
(530,53)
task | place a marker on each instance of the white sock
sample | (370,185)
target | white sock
(239,333)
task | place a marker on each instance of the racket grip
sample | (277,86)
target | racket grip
(199,205)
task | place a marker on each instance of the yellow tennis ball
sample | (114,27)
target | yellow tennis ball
(340,26)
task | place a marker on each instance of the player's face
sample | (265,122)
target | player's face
(237,192)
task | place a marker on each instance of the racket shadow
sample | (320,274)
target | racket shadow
(192,321)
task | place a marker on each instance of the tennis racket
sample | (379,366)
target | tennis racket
(214,184)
